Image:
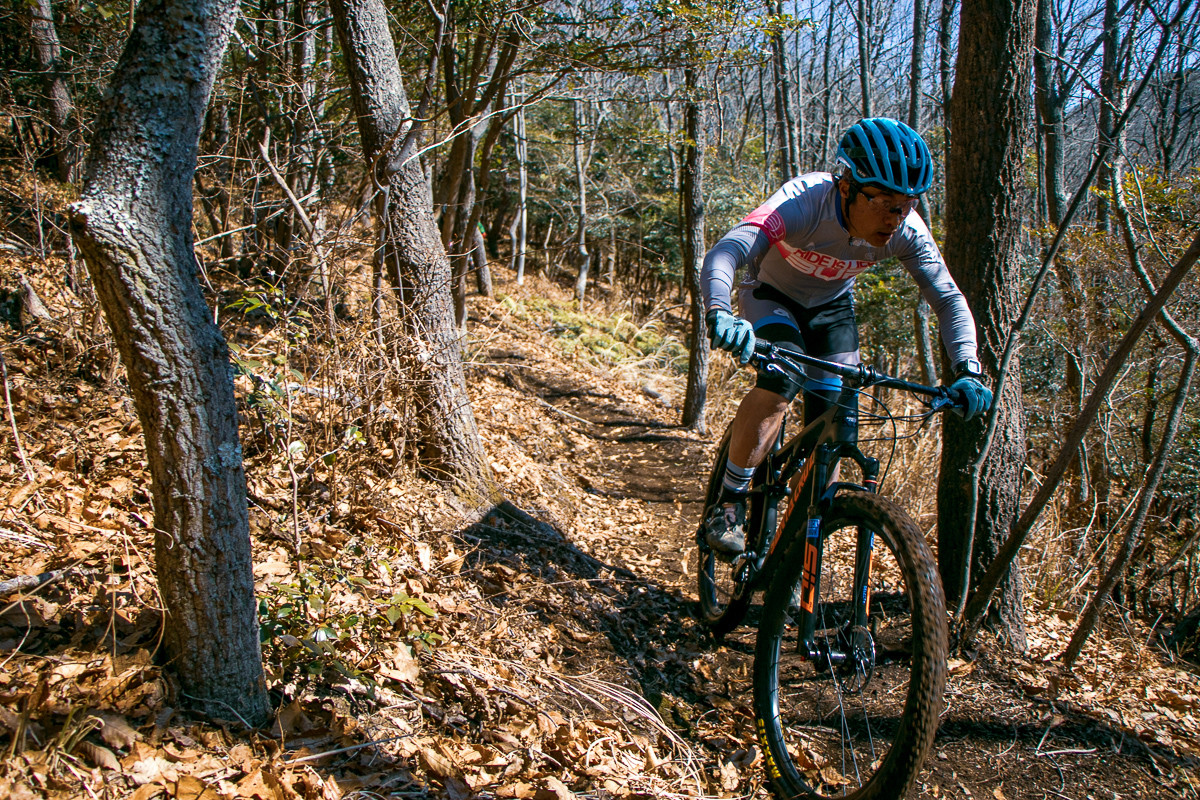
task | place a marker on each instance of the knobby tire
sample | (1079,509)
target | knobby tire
(860,729)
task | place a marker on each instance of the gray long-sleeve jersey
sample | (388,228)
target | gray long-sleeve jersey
(798,243)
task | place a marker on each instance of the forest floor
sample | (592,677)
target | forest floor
(543,648)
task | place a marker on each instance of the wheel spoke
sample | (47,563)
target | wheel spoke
(836,717)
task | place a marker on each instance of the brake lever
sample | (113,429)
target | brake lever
(940,402)
(948,398)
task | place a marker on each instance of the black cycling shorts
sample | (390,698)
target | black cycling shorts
(828,331)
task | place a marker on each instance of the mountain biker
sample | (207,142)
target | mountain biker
(802,249)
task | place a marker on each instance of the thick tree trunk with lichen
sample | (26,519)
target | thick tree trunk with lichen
(448,442)
(133,226)
(988,116)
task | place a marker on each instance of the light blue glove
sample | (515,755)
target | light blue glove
(974,397)
(731,333)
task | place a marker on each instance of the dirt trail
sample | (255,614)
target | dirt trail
(998,739)
(568,661)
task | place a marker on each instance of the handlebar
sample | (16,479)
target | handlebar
(773,358)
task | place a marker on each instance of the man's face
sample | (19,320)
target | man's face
(875,214)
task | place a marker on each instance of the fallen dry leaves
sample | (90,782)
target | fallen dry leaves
(540,651)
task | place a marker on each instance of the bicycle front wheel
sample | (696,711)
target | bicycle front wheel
(853,713)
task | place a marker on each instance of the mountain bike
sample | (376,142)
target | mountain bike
(850,660)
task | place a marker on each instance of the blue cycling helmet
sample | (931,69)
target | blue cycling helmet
(887,153)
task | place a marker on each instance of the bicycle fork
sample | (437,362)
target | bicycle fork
(852,642)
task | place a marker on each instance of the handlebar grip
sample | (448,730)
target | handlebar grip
(957,399)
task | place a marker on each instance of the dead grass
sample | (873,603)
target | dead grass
(415,647)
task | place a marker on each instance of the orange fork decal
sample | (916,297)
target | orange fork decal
(867,580)
(808,580)
(792,501)
(866,586)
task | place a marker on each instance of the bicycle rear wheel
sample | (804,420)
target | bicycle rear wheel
(857,720)
(723,600)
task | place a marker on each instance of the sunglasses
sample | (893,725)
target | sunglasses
(890,203)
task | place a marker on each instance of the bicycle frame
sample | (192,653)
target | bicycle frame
(798,477)
(799,471)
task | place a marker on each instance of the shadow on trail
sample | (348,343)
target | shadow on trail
(650,630)
(1052,731)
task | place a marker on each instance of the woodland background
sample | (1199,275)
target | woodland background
(564,152)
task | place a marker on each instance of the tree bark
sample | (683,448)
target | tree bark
(926,360)
(945,18)
(925,353)
(61,110)
(1050,114)
(1108,110)
(581,220)
(483,272)
(692,195)
(862,20)
(478,253)
(456,223)
(827,86)
(133,225)
(917,71)
(519,232)
(448,445)
(785,116)
(988,114)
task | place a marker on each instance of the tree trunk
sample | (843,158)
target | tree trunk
(1050,115)
(1108,111)
(693,250)
(520,229)
(988,114)
(585,259)
(133,225)
(457,235)
(448,442)
(863,21)
(60,109)
(785,116)
(827,87)
(917,73)
(478,253)
(1049,96)
(483,273)
(945,20)
(1091,612)
(480,80)
(215,199)
(925,354)
(1174,116)
(303,176)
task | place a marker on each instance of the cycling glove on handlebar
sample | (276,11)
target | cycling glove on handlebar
(977,398)
(731,333)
